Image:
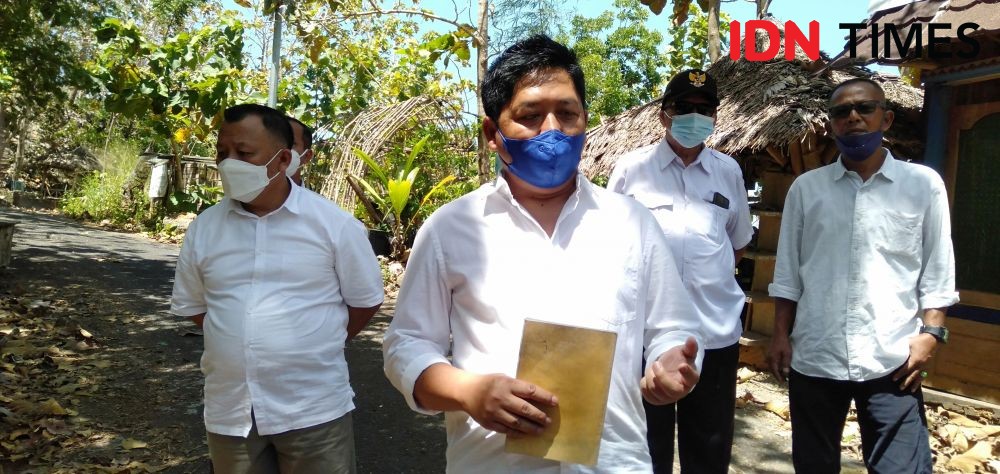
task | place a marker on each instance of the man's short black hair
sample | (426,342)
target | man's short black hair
(859,80)
(307,133)
(274,121)
(525,59)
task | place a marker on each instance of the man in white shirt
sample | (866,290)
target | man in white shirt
(302,138)
(541,242)
(698,197)
(864,274)
(280,279)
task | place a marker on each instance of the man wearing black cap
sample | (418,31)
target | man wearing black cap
(698,196)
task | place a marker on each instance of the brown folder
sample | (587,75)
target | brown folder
(574,364)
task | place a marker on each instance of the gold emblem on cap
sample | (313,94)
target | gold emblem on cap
(697,78)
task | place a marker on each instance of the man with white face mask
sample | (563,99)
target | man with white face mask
(280,279)
(302,152)
(698,197)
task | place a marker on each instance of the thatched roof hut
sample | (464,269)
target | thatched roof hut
(772,116)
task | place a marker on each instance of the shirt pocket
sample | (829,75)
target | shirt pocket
(899,233)
(707,222)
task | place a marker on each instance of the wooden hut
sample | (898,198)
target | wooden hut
(962,103)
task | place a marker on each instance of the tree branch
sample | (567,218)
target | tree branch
(420,13)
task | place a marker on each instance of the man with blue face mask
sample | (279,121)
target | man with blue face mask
(280,279)
(699,199)
(864,274)
(541,242)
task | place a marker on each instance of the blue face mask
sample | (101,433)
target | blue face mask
(547,160)
(691,130)
(859,147)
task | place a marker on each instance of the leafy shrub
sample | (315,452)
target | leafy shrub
(113,193)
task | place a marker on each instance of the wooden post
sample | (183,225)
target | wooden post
(795,152)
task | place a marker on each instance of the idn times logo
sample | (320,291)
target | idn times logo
(883,38)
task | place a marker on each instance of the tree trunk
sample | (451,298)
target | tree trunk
(762,6)
(714,43)
(482,55)
(22,128)
(3,134)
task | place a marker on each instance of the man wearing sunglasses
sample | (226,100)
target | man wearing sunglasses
(698,197)
(864,274)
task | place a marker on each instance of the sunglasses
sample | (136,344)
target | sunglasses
(684,108)
(864,108)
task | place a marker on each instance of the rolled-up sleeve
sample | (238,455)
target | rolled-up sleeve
(670,315)
(787,282)
(419,335)
(357,268)
(188,298)
(937,277)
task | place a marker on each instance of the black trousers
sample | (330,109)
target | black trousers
(704,419)
(894,436)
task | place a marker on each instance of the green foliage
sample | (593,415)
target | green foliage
(620,57)
(182,85)
(513,20)
(40,53)
(342,64)
(389,198)
(195,199)
(689,41)
(112,193)
(601,181)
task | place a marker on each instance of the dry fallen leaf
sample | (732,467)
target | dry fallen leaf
(778,408)
(744,374)
(51,407)
(132,443)
(960,443)
(961,420)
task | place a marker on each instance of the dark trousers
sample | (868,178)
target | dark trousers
(704,419)
(894,436)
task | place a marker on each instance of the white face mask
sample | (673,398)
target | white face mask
(244,181)
(293,165)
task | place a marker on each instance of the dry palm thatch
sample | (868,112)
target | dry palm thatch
(772,114)
(370,131)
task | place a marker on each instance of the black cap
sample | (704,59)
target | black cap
(689,82)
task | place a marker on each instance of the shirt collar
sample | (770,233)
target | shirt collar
(291,202)
(887,170)
(583,191)
(669,156)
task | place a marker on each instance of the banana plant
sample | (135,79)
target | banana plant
(388,196)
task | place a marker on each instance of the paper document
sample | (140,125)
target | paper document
(574,364)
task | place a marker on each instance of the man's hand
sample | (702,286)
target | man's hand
(779,357)
(505,405)
(671,376)
(912,372)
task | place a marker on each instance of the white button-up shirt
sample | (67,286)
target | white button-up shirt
(276,290)
(702,235)
(863,260)
(481,265)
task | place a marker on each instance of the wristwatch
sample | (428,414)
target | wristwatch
(939,332)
